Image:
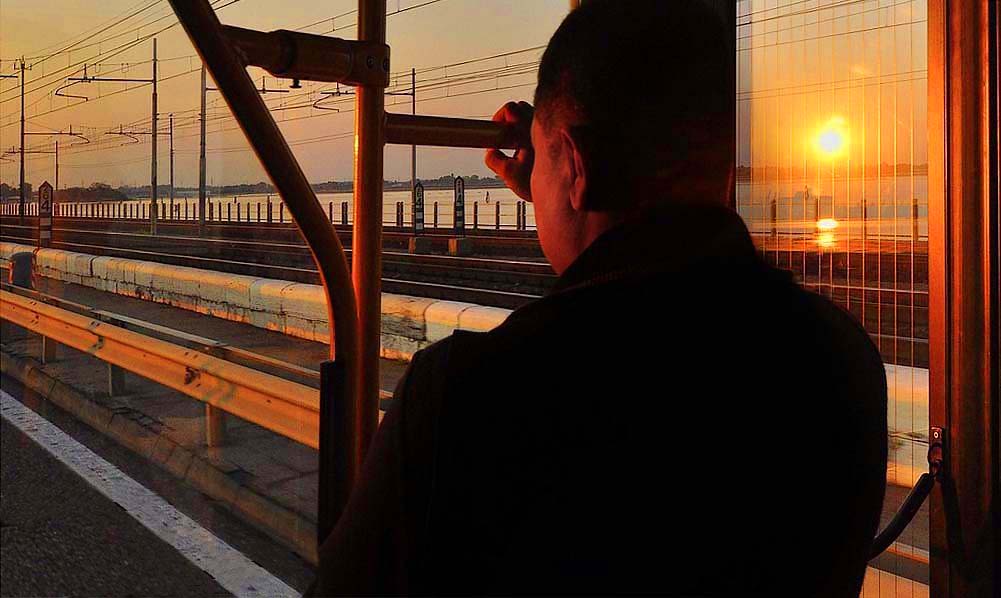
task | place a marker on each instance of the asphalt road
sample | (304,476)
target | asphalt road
(60,536)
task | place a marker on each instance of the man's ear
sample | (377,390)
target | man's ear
(575,154)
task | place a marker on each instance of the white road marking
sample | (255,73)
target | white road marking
(228,566)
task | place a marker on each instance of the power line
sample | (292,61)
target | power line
(89,35)
(116,50)
(316,85)
(170,14)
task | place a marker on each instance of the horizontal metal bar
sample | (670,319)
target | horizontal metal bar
(162,332)
(407,129)
(311,57)
(108,80)
(279,405)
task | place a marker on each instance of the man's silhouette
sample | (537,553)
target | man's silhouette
(675,417)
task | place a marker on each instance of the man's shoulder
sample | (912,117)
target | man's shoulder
(844,329)
(432,367)
(439,353)
(848,349)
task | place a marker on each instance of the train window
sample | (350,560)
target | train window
(163,317)
(832,180)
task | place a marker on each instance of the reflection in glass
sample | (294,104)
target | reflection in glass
(832,181)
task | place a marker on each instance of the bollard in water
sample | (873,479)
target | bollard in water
(344,213)
(774,218)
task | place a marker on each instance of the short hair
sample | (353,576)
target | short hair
(647,82)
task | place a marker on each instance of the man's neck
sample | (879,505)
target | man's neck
(582,233)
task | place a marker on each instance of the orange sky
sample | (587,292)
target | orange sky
(443,32)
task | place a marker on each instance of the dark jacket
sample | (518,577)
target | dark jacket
(675,417)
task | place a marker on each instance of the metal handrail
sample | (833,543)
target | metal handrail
(354,312)
(207,35)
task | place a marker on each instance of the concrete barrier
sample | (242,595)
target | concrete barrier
(296,309)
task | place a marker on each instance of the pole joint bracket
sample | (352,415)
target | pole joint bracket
(310,57)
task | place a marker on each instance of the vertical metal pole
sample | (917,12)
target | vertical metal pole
(367,239)
(171,129)
(413,148)
(152,193)
(201,164)
(22,205)
(57,171)
(965,294)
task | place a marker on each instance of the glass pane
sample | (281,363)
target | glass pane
(833,183)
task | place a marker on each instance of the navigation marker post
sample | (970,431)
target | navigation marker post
(418,243)
(45,200)
(459,210)
(418,209)
(459,244)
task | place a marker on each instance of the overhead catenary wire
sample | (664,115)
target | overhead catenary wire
(117,50)
(169,14)
(430,84)
(130,45)
(445,84)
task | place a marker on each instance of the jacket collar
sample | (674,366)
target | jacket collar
(664,239)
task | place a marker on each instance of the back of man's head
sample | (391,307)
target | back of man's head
(647,84)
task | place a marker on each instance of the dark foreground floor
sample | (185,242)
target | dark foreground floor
(60,536)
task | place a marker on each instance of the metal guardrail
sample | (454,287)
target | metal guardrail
(222,350)
(282,406)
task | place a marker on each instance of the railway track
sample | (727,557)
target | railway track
(494,282)
(510,244)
